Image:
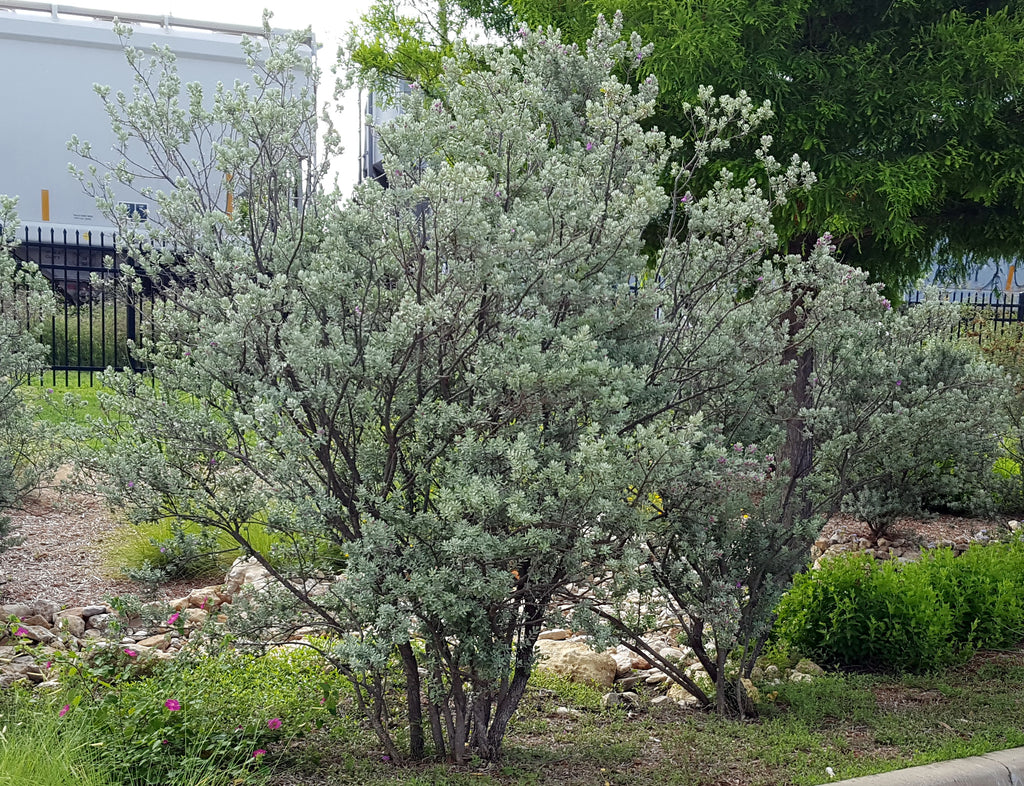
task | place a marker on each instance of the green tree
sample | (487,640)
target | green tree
(910,113)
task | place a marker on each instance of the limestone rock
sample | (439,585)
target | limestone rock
(18,610)
(70,623)
(98,622)
(807,666)
(160,641)
(206,598)
(752,692)
(623,663)
(45,608)
(35,633)
(576,661)
(681,695)
(178,604)
(555,634)
(243,572)
(672,654)
(195,617)
(92,611)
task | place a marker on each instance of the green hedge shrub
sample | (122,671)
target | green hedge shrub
(855,612)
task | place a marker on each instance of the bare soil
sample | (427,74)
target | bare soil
(62,556)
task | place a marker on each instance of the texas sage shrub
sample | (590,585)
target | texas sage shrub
(24,300)
(924,439)
(462,396)
(1004,346)
(433,416)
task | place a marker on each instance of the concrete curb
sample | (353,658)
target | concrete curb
(1001,768)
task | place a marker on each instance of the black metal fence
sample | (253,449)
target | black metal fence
(95,320)
(1000,311)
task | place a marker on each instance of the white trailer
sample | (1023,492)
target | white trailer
(51,56)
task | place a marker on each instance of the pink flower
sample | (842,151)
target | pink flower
(172,705)
(63,710)
(258,752)
(274,724)
(21,632)
(130,653)
(172,619)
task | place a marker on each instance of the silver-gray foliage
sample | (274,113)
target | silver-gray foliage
(24,301)
(461,397)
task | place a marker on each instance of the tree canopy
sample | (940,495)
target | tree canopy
(910,113)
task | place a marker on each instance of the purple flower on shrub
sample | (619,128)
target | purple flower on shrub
(274,724)
(63,710)
(21,632)
(172,705)
(258,752)
(130,653)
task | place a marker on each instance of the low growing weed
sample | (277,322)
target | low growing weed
(209,719)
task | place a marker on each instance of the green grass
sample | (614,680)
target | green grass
(40,748)
(133,545)
(56,401)
(855,724)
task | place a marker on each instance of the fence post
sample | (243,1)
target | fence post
(1020,307)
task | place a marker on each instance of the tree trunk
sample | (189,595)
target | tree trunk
(414,708)
(798,451)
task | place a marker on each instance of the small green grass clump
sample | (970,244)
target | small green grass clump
(42,744)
